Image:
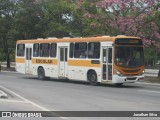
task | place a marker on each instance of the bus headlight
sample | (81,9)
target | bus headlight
(118,73)
(142,73)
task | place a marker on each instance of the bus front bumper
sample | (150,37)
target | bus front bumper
(127,79)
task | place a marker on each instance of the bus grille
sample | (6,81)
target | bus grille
(134,78)
(131,71)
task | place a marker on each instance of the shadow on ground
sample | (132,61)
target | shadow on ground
(152,79)
(128,85)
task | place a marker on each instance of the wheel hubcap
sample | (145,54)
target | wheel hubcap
(93,78)
(40,74)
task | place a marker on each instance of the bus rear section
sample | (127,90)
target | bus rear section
(24,58)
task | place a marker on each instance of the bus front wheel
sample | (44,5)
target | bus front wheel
(93,78)
(41,74)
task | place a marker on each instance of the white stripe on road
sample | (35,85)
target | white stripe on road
(150,91)
(9,76)
(9,71)
(28,101)
(15,101)
(148,83)
(34,104)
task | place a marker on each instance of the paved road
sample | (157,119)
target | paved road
(26,92)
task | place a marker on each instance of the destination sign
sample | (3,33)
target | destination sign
(128,41)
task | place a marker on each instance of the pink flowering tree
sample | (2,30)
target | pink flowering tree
(128,17)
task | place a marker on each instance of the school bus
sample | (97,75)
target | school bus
(102,59)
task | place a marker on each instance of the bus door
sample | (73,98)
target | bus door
(63,53)
(107,63)
(28,62)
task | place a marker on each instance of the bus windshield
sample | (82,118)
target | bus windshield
(129,56)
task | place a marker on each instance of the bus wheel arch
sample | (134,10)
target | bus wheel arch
(41,73)
(92,77)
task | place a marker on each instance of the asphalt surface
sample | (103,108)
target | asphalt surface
(27,93)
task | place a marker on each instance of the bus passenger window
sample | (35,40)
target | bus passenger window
(20,50)
(71,50)
(44,49)
(79,49)
(53,50)
(110,55)
(36,50)
(62,54)
(94,50)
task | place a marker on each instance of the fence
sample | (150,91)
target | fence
(151,72)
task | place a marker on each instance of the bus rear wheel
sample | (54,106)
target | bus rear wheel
(41,74)
(93,78)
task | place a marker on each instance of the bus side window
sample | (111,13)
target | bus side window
(44,49)
(80,49)
(94,50)
(53,50)
(110,55)
(71,52)
(36,50)
(20,50)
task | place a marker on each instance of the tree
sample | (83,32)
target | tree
(152,49)
(57,17)
(2,56)
(28,19)
(129,17)
(81,24)
(7,14)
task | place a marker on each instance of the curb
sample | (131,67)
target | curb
(9,71)
(148,83)
(3,94)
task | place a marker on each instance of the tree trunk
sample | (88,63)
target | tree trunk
(5,47)
(159,74)
(8,60)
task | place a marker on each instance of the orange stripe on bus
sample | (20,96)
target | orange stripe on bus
(20,60)
(44,61)
(84,63)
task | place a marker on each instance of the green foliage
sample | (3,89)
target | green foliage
(8,11)
(28,19)
(57,17)
(152,55)
(82,26)
(31,19)
(2,56)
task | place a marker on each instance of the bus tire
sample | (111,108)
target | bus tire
(41,73)
(92,78)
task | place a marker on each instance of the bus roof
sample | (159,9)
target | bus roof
(66,39)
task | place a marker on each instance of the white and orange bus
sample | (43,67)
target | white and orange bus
(102,59)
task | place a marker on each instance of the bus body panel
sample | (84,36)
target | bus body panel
(64,66)
(50,66)
(80,73)
(20,67)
